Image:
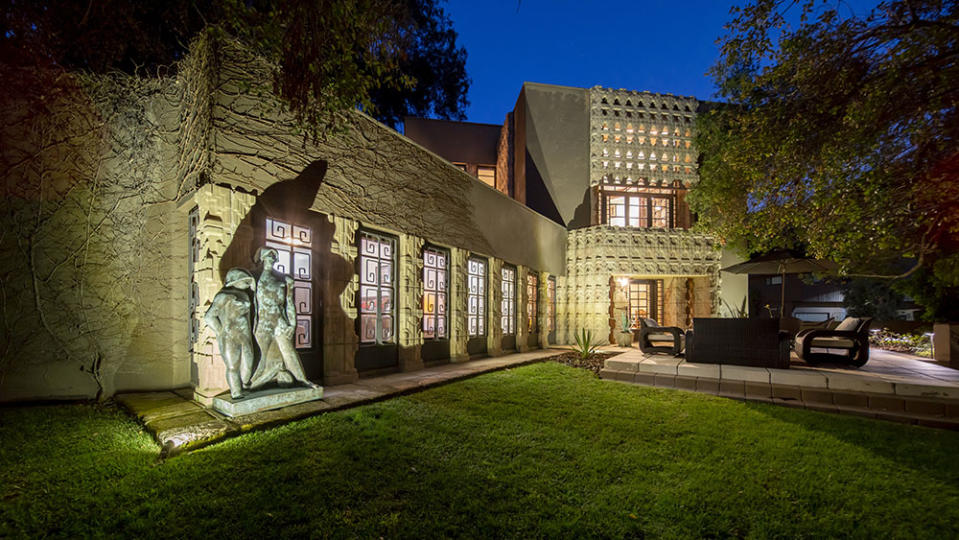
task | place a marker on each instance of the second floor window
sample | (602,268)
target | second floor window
(648,208)
(486,174)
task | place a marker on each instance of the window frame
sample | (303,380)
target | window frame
(508,301)
(644,206)
(532,302)
(288,248)
(379,314)
(482,313)
(445,316)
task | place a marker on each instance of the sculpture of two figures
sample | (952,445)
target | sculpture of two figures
(248,308)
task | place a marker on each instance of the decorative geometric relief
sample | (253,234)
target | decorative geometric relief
(476,297)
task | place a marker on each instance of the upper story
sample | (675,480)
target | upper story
(582,156)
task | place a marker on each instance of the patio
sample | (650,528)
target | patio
(891,386)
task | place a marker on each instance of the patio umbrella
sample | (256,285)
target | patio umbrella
(782,262)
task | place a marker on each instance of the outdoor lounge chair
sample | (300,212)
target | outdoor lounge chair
(650,330)
(851,336)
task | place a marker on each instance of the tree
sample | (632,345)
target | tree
(838,135)
(390,57)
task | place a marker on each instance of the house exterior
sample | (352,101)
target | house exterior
(404,252)
(613,167)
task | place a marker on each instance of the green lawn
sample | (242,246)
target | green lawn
(543,450)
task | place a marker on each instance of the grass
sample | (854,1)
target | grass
(540,451)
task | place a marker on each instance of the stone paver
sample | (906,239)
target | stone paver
(891,386)
(180,424)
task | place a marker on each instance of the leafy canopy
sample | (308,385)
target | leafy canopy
(839,135)
(390,57)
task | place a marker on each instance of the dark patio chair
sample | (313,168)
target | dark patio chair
(851,336)
(650,330)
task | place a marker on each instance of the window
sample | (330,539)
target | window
(486,174)
(376,288)
(460,166)
(532,293)
(435,267)
(551,304)
(639,207)
(293,244)
(476,297)
(194,292)
(644,295)
(509,301)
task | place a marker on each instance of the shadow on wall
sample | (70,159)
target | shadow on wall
(290,201)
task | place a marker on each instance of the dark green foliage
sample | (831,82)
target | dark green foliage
(871,298)
(840,135)
(390,57)
(541,451)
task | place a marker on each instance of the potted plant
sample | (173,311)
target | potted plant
(624,337)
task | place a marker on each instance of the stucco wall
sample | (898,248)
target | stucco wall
(373,174)
(94,246)
(557,141)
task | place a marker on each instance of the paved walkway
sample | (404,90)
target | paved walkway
(180,424)
(890,386)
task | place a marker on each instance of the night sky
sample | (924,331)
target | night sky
(658,46)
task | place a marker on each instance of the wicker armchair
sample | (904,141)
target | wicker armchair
(650,330)
(851,336)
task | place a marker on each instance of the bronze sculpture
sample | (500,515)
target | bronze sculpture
(274,327)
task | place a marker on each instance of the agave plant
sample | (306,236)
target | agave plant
(584,344)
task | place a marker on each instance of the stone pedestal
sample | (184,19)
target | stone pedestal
(945,343)
(264,400)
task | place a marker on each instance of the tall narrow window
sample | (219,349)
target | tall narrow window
(377,309)
(194,292)
(645,300)
(476,300)
(509,301)
(551,304)
(434,293)
(532,302)
(293,244)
